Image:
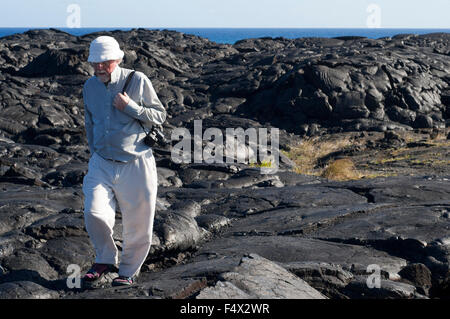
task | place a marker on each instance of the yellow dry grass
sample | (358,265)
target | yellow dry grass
(307,153)
(391,159)
(310,153)
(341,170)
(261,164)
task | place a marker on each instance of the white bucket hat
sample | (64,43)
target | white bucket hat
(104,48)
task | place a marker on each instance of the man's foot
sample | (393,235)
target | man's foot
(122,281)
(97,271)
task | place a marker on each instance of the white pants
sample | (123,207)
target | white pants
(133,187)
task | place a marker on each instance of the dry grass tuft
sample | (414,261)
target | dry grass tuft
(420,152)
(341,170)
(261,164)
(307,153)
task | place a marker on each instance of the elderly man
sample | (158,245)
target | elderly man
(122,168)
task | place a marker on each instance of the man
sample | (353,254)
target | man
(122,168)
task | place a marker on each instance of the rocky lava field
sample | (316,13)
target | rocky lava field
(225,230)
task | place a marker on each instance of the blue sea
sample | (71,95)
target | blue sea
(231,35)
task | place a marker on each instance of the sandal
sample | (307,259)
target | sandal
(122,281)
(97,271)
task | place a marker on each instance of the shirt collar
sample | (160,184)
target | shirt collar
(115,75)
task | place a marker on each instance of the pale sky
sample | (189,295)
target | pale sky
(226,13)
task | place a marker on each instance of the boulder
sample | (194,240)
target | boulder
(259,278)
(25,290)
(58,62)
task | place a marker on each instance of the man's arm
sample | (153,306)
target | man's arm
(150,112)
(88,125)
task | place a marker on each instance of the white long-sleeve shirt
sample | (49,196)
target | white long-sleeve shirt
(115,134)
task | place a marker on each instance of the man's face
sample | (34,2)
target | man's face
(103,70)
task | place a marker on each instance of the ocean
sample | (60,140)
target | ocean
(231,35)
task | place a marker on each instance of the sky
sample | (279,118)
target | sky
(225,13)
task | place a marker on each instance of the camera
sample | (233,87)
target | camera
(155,136)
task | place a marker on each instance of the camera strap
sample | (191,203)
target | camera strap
(127,82)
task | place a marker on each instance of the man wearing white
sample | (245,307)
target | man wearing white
(122,168)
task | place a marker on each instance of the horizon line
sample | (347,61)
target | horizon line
(90,27)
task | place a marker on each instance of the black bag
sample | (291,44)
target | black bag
(155,135)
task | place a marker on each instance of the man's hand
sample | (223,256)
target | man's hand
(121,101)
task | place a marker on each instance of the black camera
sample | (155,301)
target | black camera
(155,136)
